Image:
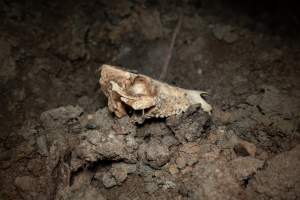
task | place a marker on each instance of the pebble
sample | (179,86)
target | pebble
(131,168)
(169,185)
(42,145)
(192,159)
(173,169)
(181,162)
(119,171)
(199,71)
(144,170)
(131,142)
(108,180)
(91,126)
(157,154)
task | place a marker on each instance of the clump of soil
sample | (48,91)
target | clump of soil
(59,141)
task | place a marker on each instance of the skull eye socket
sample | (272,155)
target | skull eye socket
(140,87)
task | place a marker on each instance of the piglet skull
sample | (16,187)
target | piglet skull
(126,90)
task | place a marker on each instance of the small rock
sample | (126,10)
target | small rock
(131,142)
(131,168)
(90,126)
(41,142)
(144,170)
(190,137)
(169,185)
(181,162)
(108,180)
(157,154)
(200,71)
(173,169)
(119,171)
(192,159)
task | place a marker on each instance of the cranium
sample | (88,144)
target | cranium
(130,91)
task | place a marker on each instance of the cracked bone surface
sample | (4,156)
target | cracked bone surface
(154,99)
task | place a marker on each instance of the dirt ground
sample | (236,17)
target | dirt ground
(59,141)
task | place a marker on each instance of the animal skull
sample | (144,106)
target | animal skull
(139,92)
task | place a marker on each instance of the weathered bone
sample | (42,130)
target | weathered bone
(139,92)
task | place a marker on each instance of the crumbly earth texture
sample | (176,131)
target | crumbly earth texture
(58,139)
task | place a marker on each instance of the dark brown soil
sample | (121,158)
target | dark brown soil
(245,55)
